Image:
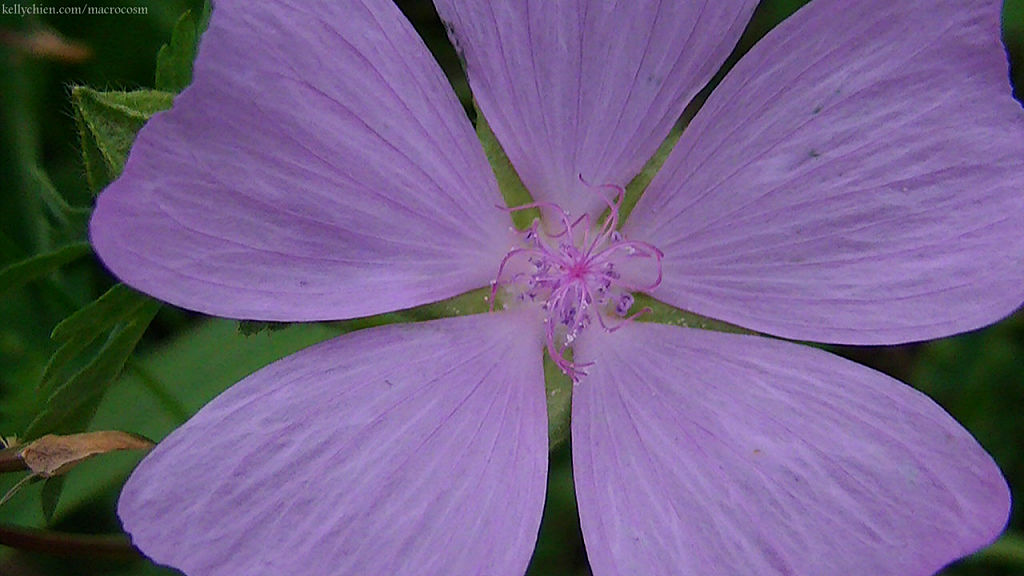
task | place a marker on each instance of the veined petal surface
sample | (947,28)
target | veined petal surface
(405,450)
(588,88)
(855,179)
(705,453)
(319,167)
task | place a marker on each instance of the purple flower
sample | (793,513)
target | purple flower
(855,179)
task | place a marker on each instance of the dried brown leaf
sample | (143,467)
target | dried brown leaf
(52,455)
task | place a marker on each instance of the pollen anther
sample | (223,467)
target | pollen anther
(576,274)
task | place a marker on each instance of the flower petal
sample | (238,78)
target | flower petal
(856,179)
(706,453)
(588,88)
(409,449)
(319,167)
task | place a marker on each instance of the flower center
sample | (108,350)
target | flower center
(578,274)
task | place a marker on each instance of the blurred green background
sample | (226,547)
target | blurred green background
(184,360)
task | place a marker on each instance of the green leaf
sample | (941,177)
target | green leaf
(72,222)
(73,404)
(20,273)
(107,124)
(76,332)
(174,61)
(52,488)
(511,186)
(99,316)
(1008,550)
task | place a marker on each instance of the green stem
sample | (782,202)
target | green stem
(28,479)
(113,546)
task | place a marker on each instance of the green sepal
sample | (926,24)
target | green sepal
(472,302)
(558,393)
(107,124)
(639,183)
(20,273)
(662,313)
(512,188)
(465,304)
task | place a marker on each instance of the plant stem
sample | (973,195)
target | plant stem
(112,546)
(10,461)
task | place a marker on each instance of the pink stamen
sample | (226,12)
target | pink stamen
(574,274)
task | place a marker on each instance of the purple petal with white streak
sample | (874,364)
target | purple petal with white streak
(414,449)
(587,87)
(319,167)
(855,179)
(705,453)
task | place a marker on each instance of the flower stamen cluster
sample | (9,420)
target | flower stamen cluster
(578,274)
